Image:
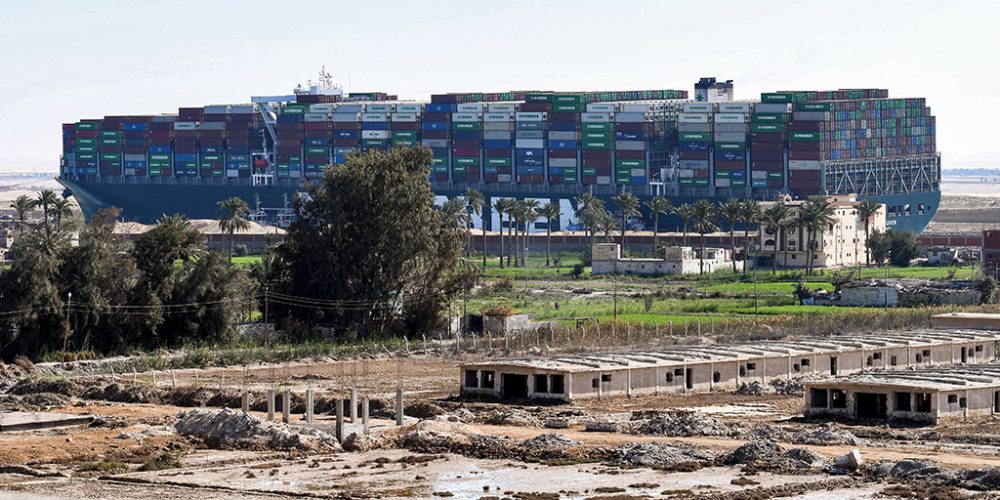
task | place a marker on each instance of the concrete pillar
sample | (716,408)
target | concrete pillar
(339,429)
(309,406)
(737,373)
(399,407)
(245,406)
(364,413)
(354,405)
(270,405)
(286,404)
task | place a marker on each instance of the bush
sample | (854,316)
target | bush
(504,284)
(501,311)
(577,271)
(162,461)
(241,250)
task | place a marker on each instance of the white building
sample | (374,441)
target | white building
(607,259)
(840,244)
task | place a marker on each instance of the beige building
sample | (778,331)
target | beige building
(840,244)
(607,259)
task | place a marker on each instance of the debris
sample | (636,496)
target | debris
(787,387)
(364,442)
(753,451)
(512,416)
(659,455)
(684,423)
(463,415)
(766,432)
(557,423)
(422,410)
(982,480)
(852,461)
(825,435)
(44,400)
(64,387)
(804,458)
(442,435)
(234,429)
(754,388)
(548,441)
(912,468)
(602,426)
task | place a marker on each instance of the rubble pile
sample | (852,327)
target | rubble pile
(444,436)
(684,423)
(766,455)
(754,388)
(787,387)
(422,410)
(230,429)
(824,435)
(660,455)
(511,416)
(549,441)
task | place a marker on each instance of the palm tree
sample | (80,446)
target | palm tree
(512,229)
(530,215)
(704,216)
(605,222)
(866,210)
(589,210)
(686,213)
(628,204)
(46,199)
(550,212)
(453,213)
(23,205)
(777,218)
(501,205)
(749,215)
(732,210)
(474,203)
(61,208)
(657,206)
(233,213)
(818,214)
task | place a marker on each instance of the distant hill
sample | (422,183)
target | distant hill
(978,172)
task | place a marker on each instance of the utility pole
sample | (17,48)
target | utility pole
(267,326)
(69,320)
(615,294)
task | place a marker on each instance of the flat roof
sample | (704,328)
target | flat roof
(684,355)
(950,378)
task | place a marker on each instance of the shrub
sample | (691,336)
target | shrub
(162,461)
(504,284)
(500,311)
(577,271)
(241,250)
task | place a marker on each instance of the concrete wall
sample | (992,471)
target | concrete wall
(851,392)
(869,296)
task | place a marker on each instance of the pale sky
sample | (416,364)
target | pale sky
(65,60)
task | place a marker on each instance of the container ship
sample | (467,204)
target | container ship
(545,145)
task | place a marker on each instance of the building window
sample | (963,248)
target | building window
(751,367)
(927,354)
(892,360)
(919,357)
(606,378)
(961,402)
(869,361)
(902,401)
(541,383)
(979,348)
(877,356)
(594,383)
(669,377)
(838,398)
(923,402)
(471,378)
(952,398)
(678,372)
(817,398)
(556,385)
(716,377)
(796,367)
(488,380)
(804,362)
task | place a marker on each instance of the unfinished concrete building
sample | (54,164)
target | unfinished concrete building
(924,395)
(685,369)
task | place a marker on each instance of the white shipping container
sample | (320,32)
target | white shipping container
(637,172)
(497,117)
(697,107)
(734,107)
(730,137)
(350,108)
(693,164)
(601,107)
(242,109)
(496,136)
(135,157)
(730,127)
(805,165)
(232,173)
(635,107)
(404,117)
(374,117)
(595,117)
(502,107)
(604,179)
(564,136)
(435,143)
(465,117)
(295,173)
(529,143)
(630,117)
(185,125)
(562,162)
(758,174)
(409,108)
(694,127)
(374,134)
(475,107)
(721,182)
(730,118)
(692,118)
(344,117)
(321,108)
(503,178)
(315,117)
(685,174)
(630,145)
(772,107)
(529,134)
(525,116)
(213,126)
(217,109)
(811,116)
(504,125)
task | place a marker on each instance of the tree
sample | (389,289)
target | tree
(530,215)
(361,265)
(749,215)
(46,198)
(866,210)
(658,205)
(475,202)
(550,212)
(903,247)
(502,206)
(686,213)
(817,215)
(233,213)
(704,216)
(606,223)
(34,320)
(589,211)
(453,214)
(628,205)
(518,211)
(23,205)
(61,208)
(512,210)
(878,245)
(777,218)
(732,210)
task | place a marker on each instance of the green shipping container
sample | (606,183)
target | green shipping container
(440,161)
(721,174)
(686,181)
(731,146)
(373,143)
(567,108)
(86,126)
(111,141)
(404,143)
(110,157)
(159,157)
(738,183)
(775,97)
(497,161)
(769,118)
(805,136)
(458,169)
(768,127)
(630,164)
(86,149)
(701,182)
(590,172)
(318,150)
(89,141)
(211,158)
(695,136)
(815,106)
(466,161)
(596,136)
(776,175)
(404,134)
(466,125)
(596,145)
(597,127)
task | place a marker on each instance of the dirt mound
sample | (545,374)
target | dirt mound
(549,441)
(56,386)
(804,458)
(766,432)
(512,416)
(189,398)
(754,388)
(912,468)
(126,394)
(44,400)
(982,480)
(787,387)
(824,435)
(230,429)
(422,410)
(660,455)
(440,435)
(754,451)
(362,442)
(684,423)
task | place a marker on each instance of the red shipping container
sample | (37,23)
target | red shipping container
(404,126)
(588,180)
(317,126)
(467,144)
(436,117)
(346,143)
(597,163)
(770,166)
(805,155)
(806,126)
(497,153)
(347,125)
(316,134)
(730,164)
(470,177)
(756,147)
(160,126)
(775,183)
(767,156)
(316,159)
(562,153)
(534,107)
(556,179)
(441,177)
(594,154)
(564,117)
(768,137)
(87,134)
(685,155)
(135,150)
(491,178)
(186,134)
(465,152)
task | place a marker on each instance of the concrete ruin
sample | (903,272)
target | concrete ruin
(687,369)
(924,395)
(902,293)
(607,259)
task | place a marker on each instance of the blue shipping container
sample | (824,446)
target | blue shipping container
(434,125)
(131,126)
(563,144)
(440,108)
(564,126)
(497,144)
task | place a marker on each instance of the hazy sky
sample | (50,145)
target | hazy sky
(65,60)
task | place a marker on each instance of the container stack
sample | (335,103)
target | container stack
(498,142)
(404,125)
(596,140)
(317,132)
(289,147)
(805,134)
(435,132)
(375,127)
(769,132)
(212,162)
(346,124)
(84,144)
(730,146)
(110,146)
(694,142)
(563,125)
(634,127)
(160,150)
(467,142)
(529,139)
